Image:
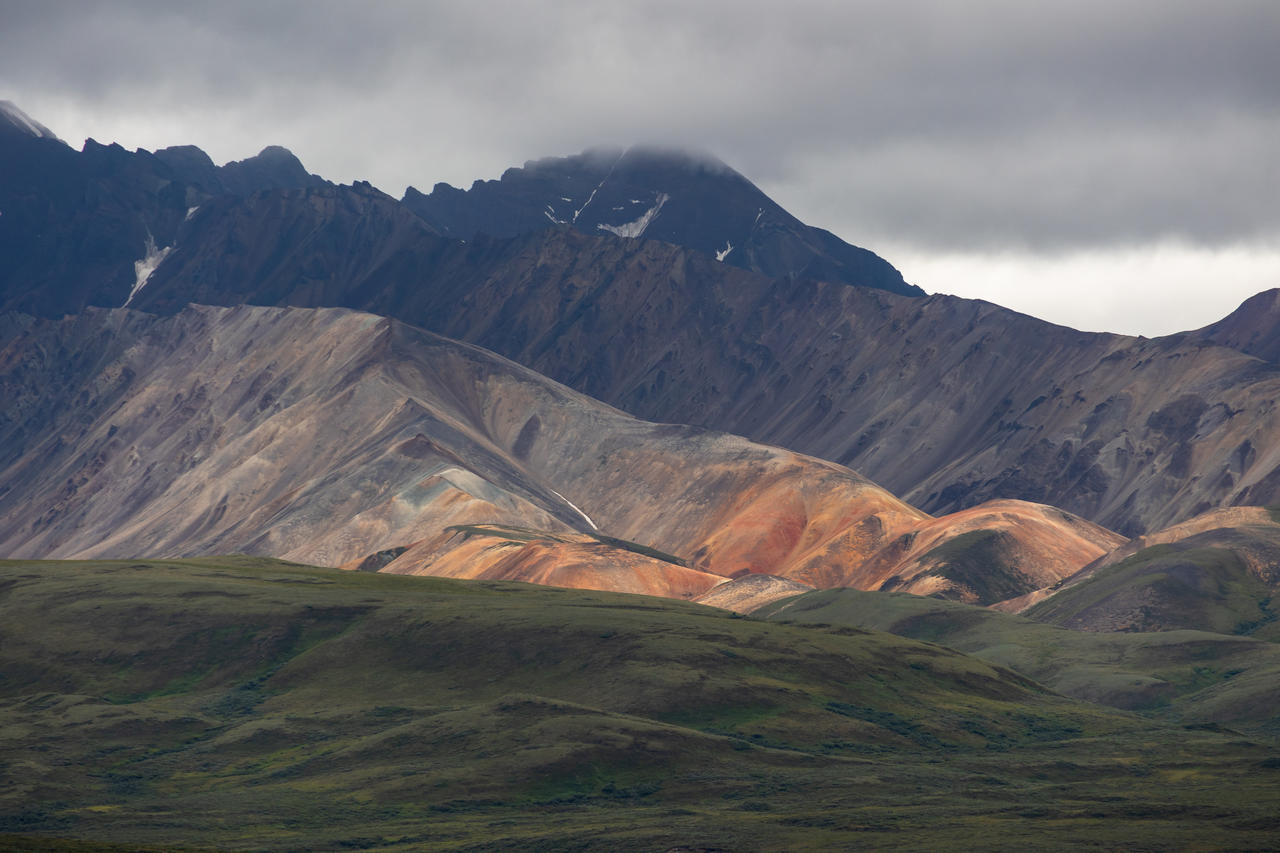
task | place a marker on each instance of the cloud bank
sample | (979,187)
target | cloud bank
(981,129)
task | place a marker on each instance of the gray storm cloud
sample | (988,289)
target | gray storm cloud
(1048,126)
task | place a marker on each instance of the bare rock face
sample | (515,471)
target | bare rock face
(1252,328)
(339,438)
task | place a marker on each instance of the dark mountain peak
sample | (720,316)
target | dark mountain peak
(274,167)
(14,120)
(592,162)
(681,196)
(278,153)
(192,165)
(188,154)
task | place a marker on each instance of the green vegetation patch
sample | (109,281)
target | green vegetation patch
(247,704)
(1167,587)
(1183,676)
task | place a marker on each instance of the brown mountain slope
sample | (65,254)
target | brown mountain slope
(573,560)
(340,438)
(992,552)
(325,436)
(948,402)
(751,592)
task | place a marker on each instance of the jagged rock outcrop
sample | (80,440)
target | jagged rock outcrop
(88,228)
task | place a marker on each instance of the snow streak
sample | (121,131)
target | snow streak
(574,507)
(145,266)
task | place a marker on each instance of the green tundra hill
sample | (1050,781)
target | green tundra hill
(247,704)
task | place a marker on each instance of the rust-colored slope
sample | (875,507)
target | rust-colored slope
(570,560)
(991,552)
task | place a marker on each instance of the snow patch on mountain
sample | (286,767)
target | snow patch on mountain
(724,253)
(575,508)
(637,227)
(145,266)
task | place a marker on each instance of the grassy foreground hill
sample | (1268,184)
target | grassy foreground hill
(242,703)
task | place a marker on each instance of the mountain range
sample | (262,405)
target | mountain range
(623,371)
(945,402)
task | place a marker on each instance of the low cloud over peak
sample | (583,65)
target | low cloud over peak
(983,127)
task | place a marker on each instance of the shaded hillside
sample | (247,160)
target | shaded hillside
(287,708)
(689,199)
(1190,676)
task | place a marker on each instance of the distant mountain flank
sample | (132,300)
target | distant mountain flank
(689,199)
(948,402)
(13,121)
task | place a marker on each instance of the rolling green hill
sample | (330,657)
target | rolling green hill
(1193,677)
(242,703)
(1220,580)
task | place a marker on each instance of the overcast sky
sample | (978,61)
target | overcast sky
(1106,165)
